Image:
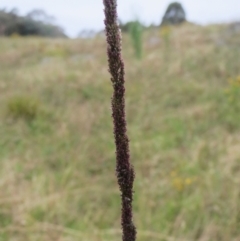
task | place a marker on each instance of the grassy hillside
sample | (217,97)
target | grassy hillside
(57,163)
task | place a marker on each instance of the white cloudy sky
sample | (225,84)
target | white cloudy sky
(76,15)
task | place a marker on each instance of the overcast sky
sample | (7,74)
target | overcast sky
(76,15)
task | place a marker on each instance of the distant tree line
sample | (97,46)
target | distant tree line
(37,23)
(174,15)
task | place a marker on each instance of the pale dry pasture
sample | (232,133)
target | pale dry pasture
(57,165)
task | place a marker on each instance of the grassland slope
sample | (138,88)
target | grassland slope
(57,163)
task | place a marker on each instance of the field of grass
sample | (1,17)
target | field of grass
(57,156)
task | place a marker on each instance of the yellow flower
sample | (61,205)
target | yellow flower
(188,181)
(165,31)
(178,183)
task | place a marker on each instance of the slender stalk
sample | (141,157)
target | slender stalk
(124,170)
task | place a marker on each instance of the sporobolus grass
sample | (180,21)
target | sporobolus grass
(124,170)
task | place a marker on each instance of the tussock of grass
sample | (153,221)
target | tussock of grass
(57,177)
(25,107)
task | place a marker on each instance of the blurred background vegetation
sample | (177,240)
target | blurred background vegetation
(36,22)
(57,156)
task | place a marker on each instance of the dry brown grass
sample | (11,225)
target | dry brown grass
(57,177)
